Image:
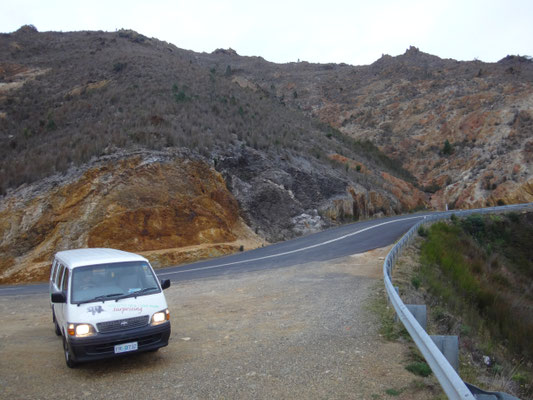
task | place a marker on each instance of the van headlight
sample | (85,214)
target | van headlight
(80,330)
(160,317)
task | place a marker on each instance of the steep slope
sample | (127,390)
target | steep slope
(410,106)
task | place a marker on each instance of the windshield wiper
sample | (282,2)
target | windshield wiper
(145,290)
(137,293)
(101,298)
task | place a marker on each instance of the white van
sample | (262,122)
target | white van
(107,303)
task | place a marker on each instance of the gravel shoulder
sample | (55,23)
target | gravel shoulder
(303,332)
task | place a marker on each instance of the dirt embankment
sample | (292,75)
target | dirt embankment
(171,210)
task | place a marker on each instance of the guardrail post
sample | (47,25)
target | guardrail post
(419,311)
(449,347)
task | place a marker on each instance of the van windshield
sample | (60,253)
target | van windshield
(112,281)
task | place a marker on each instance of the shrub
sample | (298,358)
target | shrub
(51,125)
(181,97)
(432,188)
(117,67)
(415,281)
(393,392)
(419,368)
(474,225)
(422,231)
(520,378)
(447,148)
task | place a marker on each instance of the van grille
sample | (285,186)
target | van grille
(122,324)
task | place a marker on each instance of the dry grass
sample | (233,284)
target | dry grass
(107,91)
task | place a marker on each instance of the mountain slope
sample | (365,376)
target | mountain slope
(410,106)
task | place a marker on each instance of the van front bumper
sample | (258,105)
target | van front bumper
(102,345)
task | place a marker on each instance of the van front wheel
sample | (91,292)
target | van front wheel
(58,331)
(68,356)
(56,326)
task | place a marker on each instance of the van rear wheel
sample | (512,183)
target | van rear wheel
(68,356)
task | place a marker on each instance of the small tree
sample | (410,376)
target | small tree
(448,148)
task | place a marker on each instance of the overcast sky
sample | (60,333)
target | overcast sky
(354,32)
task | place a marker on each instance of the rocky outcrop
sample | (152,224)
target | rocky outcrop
(280,198)
(148,202)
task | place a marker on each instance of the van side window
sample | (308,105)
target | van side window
(64,284)
(53,270)
(59,275)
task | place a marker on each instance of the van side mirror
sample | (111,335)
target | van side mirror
(165,284)
(59,297)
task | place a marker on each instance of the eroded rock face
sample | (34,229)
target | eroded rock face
(280,199)
(142,203)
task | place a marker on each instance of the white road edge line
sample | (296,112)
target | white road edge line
(289,252)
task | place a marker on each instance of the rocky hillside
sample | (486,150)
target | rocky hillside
(119,140)
(463,129)
(115,139)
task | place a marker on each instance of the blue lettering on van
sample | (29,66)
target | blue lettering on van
(95,309)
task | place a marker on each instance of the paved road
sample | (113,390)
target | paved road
(333,243)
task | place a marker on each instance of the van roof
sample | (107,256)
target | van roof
(82,257)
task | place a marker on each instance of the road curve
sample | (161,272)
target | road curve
(333,243)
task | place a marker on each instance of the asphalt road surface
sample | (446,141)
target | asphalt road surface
(334,243)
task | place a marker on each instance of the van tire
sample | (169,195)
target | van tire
(56,326)
(57,329)
(68,356)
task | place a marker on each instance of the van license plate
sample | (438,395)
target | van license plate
(123,348)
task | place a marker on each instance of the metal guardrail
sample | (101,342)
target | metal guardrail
(451,382)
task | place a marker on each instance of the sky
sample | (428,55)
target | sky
(325,31)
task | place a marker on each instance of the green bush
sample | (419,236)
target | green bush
(415,281)
(393,392)
(447,149)
(474,225)
(117,67)
(419,368)
(181,97)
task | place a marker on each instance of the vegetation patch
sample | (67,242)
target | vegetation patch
(393,392)
(475,275)
(484,268)
(419,368)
